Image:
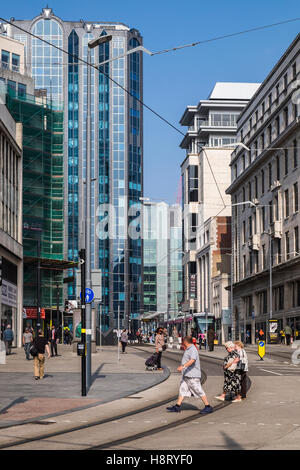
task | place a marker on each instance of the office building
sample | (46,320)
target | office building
(162,238)
(265,234)
(116,144)
(205,174)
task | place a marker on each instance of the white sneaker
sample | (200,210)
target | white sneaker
(220,398)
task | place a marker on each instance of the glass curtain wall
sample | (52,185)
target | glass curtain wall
(135,178)
(73,109)
(47,62)
(104,167)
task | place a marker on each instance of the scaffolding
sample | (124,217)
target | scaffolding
(43,191)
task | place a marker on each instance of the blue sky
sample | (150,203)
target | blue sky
(173,81)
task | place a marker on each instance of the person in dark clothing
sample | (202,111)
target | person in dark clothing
(211,338)
(8,337)
(53,340)
(124,340)
(42,345)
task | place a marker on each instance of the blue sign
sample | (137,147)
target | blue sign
(261,343)
(89,295)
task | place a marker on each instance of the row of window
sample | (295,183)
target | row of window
(273,97)
(251,263)
(265,140)
(10,61)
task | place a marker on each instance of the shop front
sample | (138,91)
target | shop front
(8,312)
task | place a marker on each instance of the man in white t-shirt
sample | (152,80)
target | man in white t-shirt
(190,384)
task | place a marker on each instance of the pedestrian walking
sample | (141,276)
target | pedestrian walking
(261,335)
(242,367)
(232,379)
(8,337)
(124,340)
(53,340)
(159,346)
(211,338)
(42,345)
(288,333)
(190,384)
(27,340)
(282,337)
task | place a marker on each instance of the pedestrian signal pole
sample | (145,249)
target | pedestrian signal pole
(83,323)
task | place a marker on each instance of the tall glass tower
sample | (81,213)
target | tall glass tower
(116,146)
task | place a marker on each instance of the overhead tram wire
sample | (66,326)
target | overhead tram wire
(218,38)
(100,71)
(84,62)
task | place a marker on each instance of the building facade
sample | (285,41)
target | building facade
(265,234)
(205,173)
(11,249)
(162,244)
(116,144)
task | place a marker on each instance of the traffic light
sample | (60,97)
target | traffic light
(0,270)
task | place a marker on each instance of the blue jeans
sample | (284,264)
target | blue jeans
(27,350)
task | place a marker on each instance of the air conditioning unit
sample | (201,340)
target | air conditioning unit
(253,242)
(276,229)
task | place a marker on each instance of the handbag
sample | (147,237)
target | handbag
(33,350)
(164,347)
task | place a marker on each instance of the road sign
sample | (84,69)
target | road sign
(89,295)
(261,349)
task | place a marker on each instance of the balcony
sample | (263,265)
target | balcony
(276,229)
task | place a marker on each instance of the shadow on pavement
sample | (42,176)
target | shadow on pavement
(13,403)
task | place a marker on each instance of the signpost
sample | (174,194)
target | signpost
(273,330)
(261,349)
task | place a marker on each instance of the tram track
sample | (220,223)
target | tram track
(99,425)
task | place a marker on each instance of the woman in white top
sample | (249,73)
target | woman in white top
(243,366)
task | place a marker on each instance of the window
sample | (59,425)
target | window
(270,102)
(285,82)
(193,183)
(21,90)
(244,266)
(250,123)
(277,123)
(244,198)
(286,117)
(249,191)
(277,91)
(294,71)
(243,162)
(271,212)
(270,174)
(235,171)
(276,207)
(12,85)
(296,203)
(262,182)
(263,109)
(15,62)
(244,231)
(286,202)
(263,259)
(262,141)
(295,154)
(255,187)
(5,57)
(250,226)
(270,134)
(287,245)
(286,161)
(277,168)
(263,218)
(296,239)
